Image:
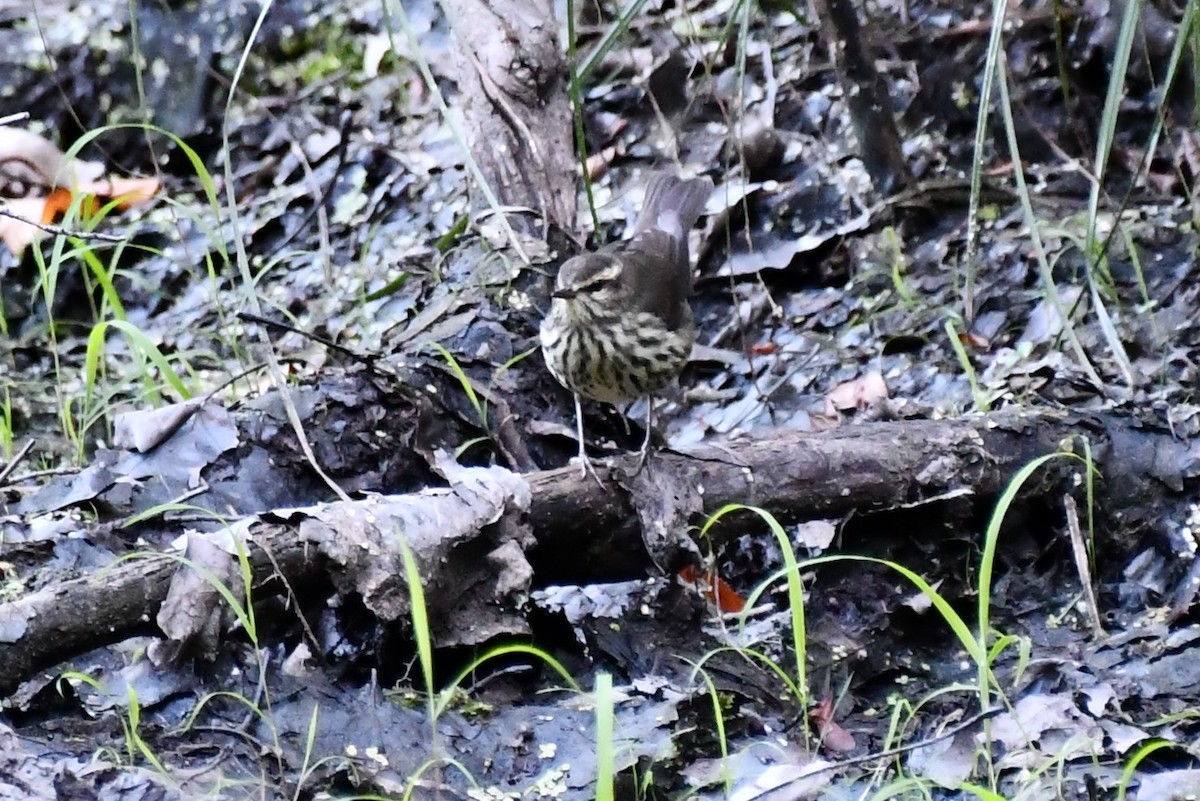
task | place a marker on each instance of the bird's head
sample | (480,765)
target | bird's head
(591,279)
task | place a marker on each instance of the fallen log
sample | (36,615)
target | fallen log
(572,528)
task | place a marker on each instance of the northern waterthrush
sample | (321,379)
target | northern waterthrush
(620,325)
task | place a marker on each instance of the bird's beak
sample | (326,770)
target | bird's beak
(564,294)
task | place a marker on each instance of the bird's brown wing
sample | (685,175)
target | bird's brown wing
(673,204)
(657,275)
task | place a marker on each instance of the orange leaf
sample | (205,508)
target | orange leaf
(60,200)
(972,340)
(128,192)
(727,598)
(714,588)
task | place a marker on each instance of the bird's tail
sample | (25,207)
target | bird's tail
(673,204)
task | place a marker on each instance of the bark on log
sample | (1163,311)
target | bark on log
(584,531)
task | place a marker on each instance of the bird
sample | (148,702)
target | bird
(620,323)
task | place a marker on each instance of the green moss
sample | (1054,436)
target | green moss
(319,52)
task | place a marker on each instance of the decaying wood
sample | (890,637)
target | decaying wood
(798,476)
(866,97)
(511,74)
(582,531)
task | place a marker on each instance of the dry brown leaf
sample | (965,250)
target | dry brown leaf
(128,192)
(34,161)
(860,393)
(30,158)
(18,234)
(15,232)
(970,339)
(833,737)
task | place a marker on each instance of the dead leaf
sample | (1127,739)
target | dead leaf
(833,737)
(16,231)
(146,429)
(26,157)
(195,616)
(860,393)
(127,192)
(969,339)
(816,534)
(921,602)
(948,762)
(714,588)
(1044,322)
(58,203)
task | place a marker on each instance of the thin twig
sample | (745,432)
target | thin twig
(903,749)
(367,358)
(60,231)
(16,460)
(321,194)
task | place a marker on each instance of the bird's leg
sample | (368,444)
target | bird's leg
(645,451)
(585,464)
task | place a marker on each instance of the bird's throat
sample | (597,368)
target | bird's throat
(581,311)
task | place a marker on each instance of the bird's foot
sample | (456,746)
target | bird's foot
(586,466)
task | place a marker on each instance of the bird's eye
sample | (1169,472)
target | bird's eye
(596,284)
